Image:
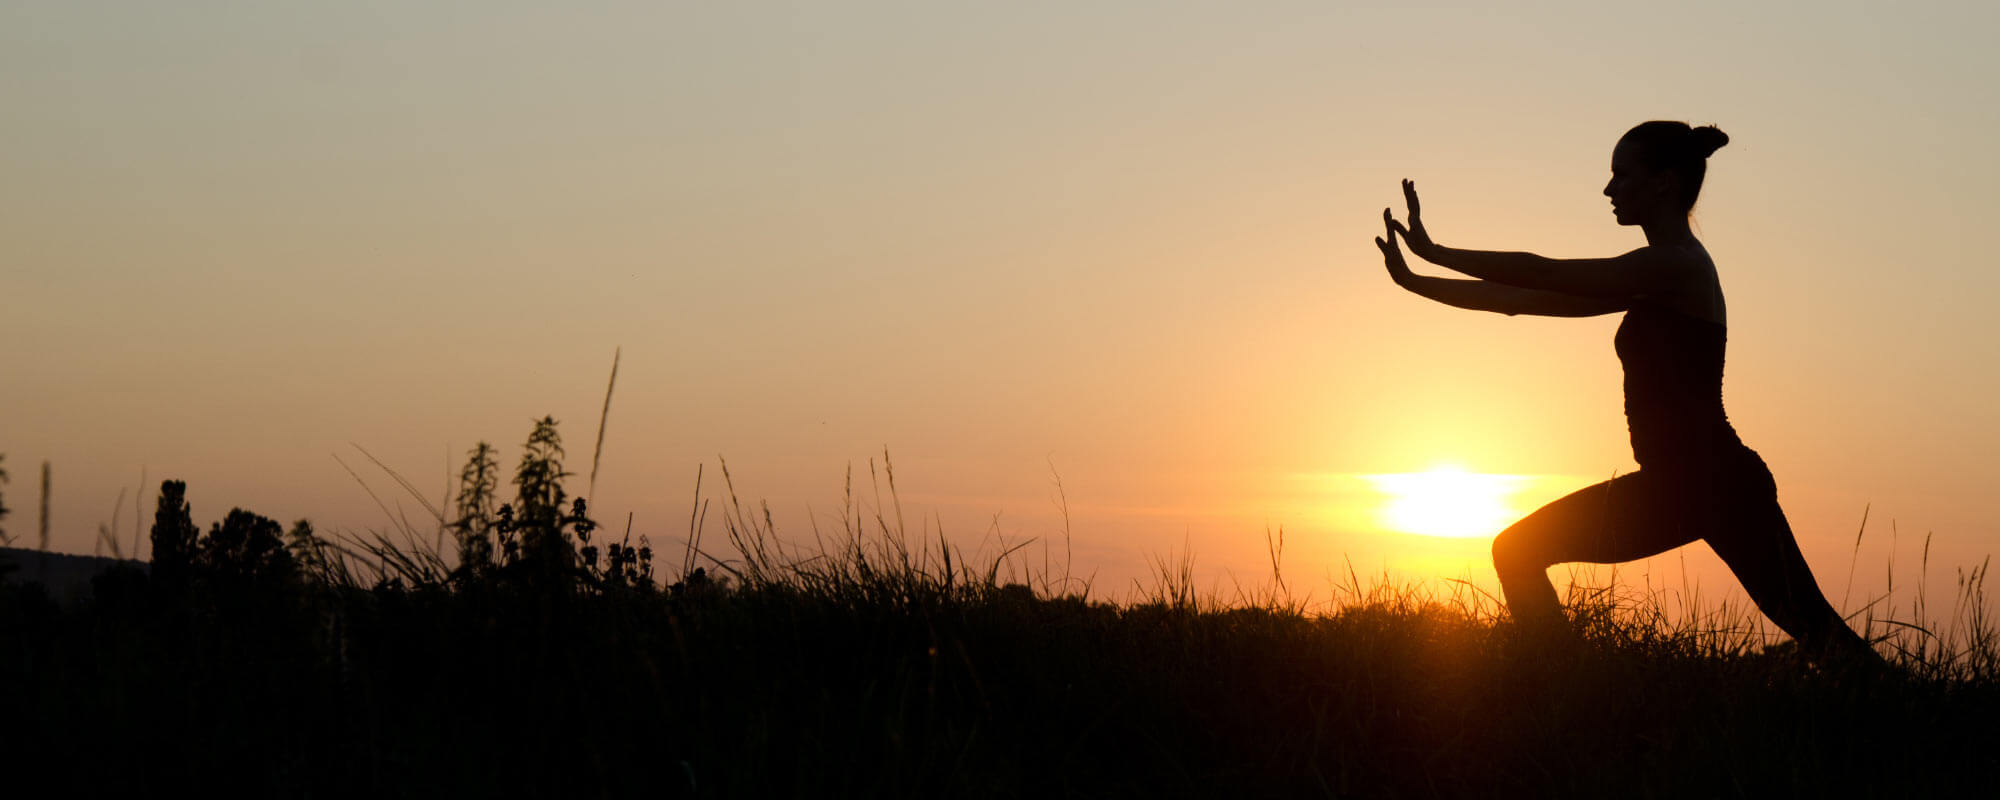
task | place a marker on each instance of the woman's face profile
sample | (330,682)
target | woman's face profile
(1636,191)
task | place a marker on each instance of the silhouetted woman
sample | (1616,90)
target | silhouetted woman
(1696,479)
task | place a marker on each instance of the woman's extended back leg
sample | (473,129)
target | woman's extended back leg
(1757,543)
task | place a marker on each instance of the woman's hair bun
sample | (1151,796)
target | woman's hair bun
(1707,139)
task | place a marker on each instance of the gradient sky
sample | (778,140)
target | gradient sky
(1123,242)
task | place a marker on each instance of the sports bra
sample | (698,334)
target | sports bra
(1673,386)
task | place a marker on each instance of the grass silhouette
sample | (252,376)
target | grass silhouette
(533,656)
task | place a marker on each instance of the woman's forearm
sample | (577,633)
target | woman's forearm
(1624,277)
(1500,298)
(1526,270)
(1474,295)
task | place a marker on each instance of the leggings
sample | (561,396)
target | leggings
(1732,505)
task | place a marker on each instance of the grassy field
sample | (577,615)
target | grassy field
(540,658)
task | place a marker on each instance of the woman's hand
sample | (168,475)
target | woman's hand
(1418,238)
(1399,270)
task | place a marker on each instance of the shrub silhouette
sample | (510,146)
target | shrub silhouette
(243,551)
(539,518)
(174,535)
(246,549)
(544,536)
(473,525)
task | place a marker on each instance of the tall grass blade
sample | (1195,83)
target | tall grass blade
(366,488)
(602,418)
(1854,558)
(43,541)
(137,500)
(405,483)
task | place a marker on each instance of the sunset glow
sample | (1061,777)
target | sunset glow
(1447,501)
(1123,246)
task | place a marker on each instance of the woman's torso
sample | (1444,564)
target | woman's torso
(1672,350)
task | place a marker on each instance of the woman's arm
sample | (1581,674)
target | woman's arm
(1621,278)
(1510,300)
(1625,277)
(1489,296)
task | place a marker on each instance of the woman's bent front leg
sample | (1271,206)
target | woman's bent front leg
(1624,519)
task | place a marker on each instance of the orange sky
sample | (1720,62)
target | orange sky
(1129,241)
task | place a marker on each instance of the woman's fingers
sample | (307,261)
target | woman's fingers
(1392,257)
(1390,252)
(1414,235)
(1396,228)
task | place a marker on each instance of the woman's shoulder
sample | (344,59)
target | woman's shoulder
(1695,290)
(1689,253)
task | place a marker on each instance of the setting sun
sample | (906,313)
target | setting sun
(1447,500)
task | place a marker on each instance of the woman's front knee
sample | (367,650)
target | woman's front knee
(1514,550)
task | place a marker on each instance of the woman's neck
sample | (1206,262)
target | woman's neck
(1668,230)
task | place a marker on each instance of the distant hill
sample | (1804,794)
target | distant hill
(66,576)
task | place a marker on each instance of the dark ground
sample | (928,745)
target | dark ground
(892,690)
